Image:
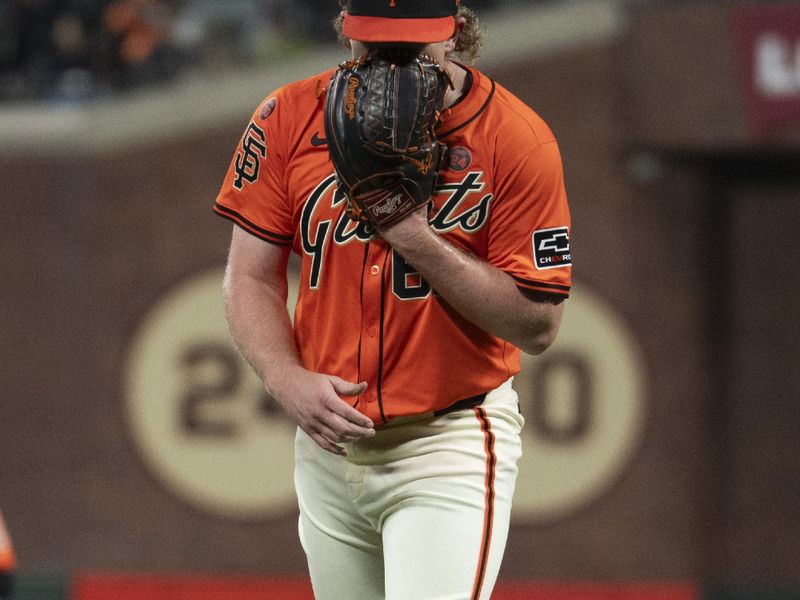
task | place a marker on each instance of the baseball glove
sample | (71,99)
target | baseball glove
(380,116)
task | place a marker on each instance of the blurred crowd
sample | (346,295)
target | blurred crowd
(74,50)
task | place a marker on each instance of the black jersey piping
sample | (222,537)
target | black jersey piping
(250,227)
(473,117)
(361,298)
(380,338)
(540,284)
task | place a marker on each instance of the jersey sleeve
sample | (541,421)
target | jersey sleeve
(530,226)
(253,194)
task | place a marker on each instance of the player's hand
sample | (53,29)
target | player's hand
(314,402)
(408,233)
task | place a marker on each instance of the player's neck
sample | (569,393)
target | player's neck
(458,75)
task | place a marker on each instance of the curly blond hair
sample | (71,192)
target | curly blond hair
(468,44)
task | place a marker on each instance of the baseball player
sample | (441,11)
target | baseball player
(8,561)
(398,366)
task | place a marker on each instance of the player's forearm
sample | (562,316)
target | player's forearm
(481,293)
(259,324)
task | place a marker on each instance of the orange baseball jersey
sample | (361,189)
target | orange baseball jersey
(363,313)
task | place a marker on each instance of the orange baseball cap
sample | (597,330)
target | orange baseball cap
(414,21)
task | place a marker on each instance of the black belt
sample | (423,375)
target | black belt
(462,404)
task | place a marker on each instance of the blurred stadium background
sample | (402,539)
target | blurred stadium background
(139,458)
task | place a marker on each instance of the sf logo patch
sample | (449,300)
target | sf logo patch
(248,159)
(551,248)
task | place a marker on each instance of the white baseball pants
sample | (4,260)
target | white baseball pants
(419,512)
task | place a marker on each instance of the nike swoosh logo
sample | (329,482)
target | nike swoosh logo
(318,141)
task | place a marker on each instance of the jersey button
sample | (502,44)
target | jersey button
(374,270)
(368,396)
(371,331)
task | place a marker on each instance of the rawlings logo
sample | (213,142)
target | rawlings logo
(389,205)
(350,98)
